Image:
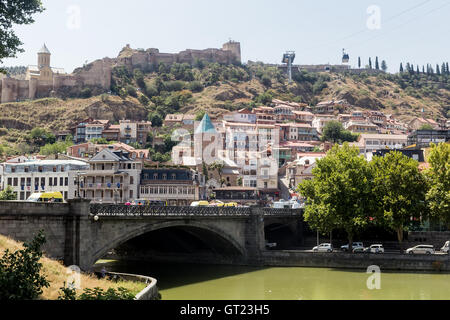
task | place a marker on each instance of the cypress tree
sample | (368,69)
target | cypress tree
(423,69)
(438,72)
(377,66)
(401,67)
(370,63)
(383,65)
(443,70)
(417,70)
(359,62)
(446,67)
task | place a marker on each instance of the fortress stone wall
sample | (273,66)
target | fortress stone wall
(97,74)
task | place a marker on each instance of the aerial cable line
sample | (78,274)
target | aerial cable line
(365,29)
(401,25)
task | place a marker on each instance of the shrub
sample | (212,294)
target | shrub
(20,277)
(86,93)
(131,91)
(96,294)
(195,86)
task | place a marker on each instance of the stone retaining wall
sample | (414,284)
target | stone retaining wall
(150,292)
(385,261)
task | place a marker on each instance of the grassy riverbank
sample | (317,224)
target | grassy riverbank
(56,274)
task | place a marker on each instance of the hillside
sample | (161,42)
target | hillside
(56,273)
(181,88)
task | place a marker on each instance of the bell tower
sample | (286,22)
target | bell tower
(44,64)
(43,57)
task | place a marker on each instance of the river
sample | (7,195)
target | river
(219,282)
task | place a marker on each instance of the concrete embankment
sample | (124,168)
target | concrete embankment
(386,261)
(150,292)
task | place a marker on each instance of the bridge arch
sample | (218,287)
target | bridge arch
(129,234)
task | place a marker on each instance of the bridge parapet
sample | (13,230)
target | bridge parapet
(112,210)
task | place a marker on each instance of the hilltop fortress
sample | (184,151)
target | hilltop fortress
(46,81)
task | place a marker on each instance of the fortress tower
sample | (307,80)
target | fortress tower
(234,47)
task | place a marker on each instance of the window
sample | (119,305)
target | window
(9,181)
(131,180)
(164,176)
(66,181)
(155,176)
(16,181)
(55,181)
(50,181)
(61,180)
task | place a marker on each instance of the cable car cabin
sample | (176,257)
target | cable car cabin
(345,56)
(46,197)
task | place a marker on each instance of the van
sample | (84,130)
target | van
(46,197)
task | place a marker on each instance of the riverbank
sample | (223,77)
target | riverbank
(58,274)
(386,261)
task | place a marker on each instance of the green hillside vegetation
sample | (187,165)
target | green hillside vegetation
(154,92)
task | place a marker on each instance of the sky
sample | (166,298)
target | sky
(76,31)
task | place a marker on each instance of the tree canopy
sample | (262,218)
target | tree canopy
(399,188)
(335,132)
(438,195)
(340,195)
(15,12)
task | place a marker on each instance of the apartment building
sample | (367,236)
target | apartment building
(243,115)
(371,142)
(43,176)
(320,120)
(361,127)
(112,177)
(134,131)
(178,187)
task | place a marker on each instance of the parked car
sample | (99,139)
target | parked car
(323,247)
(375,248)
(446,247)
(270,245)
(421,249)
(354,246)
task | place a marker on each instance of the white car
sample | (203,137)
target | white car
(375,248)
(421,249)
(355,245)
(446,247)
(270,245)
(323,247)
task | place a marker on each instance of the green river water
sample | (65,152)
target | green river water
(205,282)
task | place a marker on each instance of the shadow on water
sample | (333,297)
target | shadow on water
(171,275)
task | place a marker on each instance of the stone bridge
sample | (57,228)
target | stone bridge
(80,233)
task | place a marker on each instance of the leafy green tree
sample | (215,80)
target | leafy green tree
(20,272)
(438,195)
(40,136)
(55,148)
(399,189)
(199,115)
(96,293)
(218,165)
(340,194)
(15,12)
(334,132)
(156,119)
(86,92)
(8,194)
(426,126)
